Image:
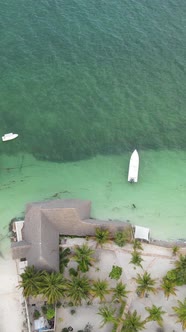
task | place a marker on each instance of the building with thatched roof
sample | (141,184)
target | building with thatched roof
(43,223)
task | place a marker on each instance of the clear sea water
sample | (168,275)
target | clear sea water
(84,83)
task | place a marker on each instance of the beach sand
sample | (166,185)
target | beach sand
(11,310)
(157,261)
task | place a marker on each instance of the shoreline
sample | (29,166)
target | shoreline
(158,197)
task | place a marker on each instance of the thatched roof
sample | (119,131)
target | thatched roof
(43,223)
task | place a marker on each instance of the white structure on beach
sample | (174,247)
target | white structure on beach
(142,233)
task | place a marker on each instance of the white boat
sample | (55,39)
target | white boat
(9,136)
(133,167)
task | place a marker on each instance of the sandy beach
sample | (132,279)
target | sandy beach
(156,260)
(11,310)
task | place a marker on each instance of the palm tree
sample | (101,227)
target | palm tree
(168,287)
(83,256)
(120,238)
(155,314)
(119,292)
(78,288)
(136,258)
(108,315)
(181,270)
(63,258)
(30,281)
(181,263)
(175,250)
(101,236)
(132,323)
(181,313)
(137,245)
(100,289)
(52,287)
(145,284)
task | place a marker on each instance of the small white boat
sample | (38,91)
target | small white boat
(133,167)
(8,137)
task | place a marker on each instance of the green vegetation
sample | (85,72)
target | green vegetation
(73,272)
(119,292)
(30,281)
(168,287)
(132,322)
(145,284)
(101,236)
(136,258)
(178,275)
(52,287)
(63,258)
(78,288)
(155,314)
(120,238)
(36,314)
(107,313)
(137,245)
(100,288)
(180,311)
(50,313)
(123,237)
(116,272)
(83,256)
(175,250)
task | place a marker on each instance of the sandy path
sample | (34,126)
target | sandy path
(11,317)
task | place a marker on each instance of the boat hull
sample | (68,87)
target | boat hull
(9,137)
(133,167)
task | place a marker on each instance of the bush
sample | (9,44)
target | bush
(50,313)
(171,275)
(178,277)
(120,239)
(65,329)
(36,314)
(73,272)
(116,272)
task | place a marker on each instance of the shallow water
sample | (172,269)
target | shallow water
(160,204)
(90,79)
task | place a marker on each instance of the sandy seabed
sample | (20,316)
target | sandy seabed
(159,196)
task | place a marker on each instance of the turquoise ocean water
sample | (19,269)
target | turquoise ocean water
(84,83)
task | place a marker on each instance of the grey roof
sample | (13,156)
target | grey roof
(43,223)
(20,249)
